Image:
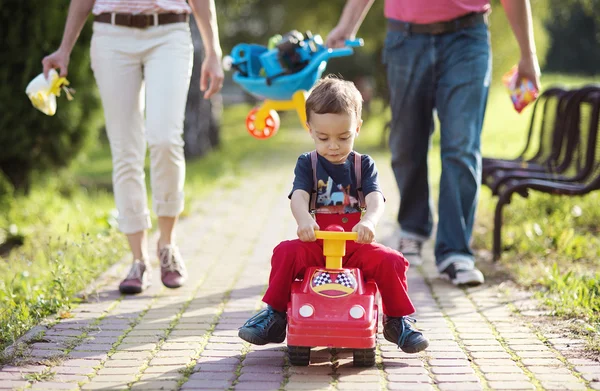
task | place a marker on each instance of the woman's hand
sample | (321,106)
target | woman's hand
(57,60)
(211,76)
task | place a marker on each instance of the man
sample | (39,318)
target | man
(438,57)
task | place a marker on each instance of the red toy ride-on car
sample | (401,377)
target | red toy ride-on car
(332,306)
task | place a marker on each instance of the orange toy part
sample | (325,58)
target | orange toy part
(265,130)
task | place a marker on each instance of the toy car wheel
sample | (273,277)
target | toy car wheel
(268,128)
(364,357)
(299,355)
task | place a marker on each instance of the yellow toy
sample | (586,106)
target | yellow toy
(43,92)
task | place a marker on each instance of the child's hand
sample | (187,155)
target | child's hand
(306,230)
(366,232)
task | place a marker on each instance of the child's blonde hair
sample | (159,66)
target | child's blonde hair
(334,96)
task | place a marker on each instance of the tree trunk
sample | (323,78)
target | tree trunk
(201,125)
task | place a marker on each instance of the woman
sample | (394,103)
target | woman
(142,54)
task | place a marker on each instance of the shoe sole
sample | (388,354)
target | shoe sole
(409,349)
(173,286)
(132,290)
(467,282)
(254,339)
(416,348)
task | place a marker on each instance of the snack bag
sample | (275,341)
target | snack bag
(43,92)
(522,92)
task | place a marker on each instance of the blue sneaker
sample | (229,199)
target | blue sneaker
(268,326)
(400,331)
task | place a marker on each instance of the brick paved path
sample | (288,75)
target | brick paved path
(187,338)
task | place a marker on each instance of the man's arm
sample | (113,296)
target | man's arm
(205,14)
(76,17)
(352,17)
(518,13)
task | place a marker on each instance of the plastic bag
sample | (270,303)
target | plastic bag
(43,92)
(522,92)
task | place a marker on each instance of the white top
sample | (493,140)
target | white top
(141,6)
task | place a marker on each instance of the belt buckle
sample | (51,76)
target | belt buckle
(437,28)
(139,21)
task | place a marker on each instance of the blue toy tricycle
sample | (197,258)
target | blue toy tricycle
(281,74)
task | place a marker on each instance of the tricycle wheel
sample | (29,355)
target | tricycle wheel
(364,357)
(299,355)
(264,130)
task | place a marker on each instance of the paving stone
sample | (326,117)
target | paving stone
(456,378)
(511,385)
(475,321)
(292,385)
(12,384)
(54,386)
(112,386)
(506,369)
(409,387)
(558,385)
(518,377)
(460,386)
(258,386)
(206,385)
(157,385)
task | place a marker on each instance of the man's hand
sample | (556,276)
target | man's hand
(306,230)
(529,68)
(337,37)
(366,232)
(57,60)
(212,72)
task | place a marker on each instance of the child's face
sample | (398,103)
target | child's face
(334,135)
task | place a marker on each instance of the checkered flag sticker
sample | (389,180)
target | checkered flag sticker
(322,278)
(346,279)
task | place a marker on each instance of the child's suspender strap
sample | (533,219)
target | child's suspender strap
(313,194)
(357,172)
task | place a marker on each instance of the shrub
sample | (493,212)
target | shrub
(31,141)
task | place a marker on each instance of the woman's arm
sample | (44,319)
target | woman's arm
(76,17)
(205,14)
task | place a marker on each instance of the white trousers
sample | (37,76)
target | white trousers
(136,68)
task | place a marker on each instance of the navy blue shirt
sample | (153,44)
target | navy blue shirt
(336,183)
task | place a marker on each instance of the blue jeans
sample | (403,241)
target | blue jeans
(448,73)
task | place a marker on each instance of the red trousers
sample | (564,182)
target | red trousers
(387,267)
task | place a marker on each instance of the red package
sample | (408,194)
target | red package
(522,92)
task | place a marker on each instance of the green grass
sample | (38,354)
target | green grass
(68,228)
(550,243)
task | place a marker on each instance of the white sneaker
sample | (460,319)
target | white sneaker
(411,249)
(463,274)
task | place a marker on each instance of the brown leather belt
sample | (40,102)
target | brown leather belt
(449,26)
(140,20)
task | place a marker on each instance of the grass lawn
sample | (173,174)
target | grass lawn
(69,230)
